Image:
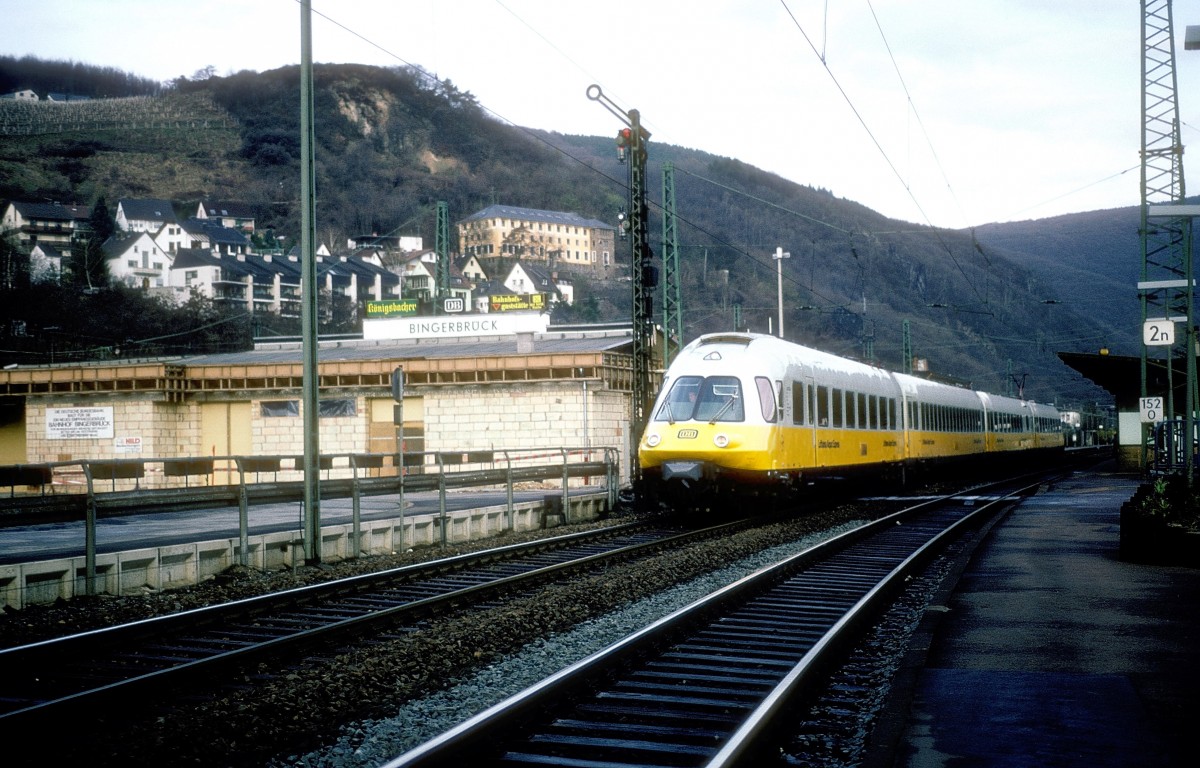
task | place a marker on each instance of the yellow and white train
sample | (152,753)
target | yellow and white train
(744,409)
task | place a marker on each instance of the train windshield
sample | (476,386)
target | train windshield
(696,398)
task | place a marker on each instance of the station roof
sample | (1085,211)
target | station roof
(1121,376)
(566,353)
(484,346)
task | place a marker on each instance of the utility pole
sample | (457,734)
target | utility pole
(631,144)
(308,294)
(780,255)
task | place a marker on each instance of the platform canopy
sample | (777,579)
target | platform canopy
(1121,376)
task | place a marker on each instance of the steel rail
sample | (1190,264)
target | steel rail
(705,685)
(431,587)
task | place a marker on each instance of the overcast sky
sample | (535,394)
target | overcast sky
(945,112)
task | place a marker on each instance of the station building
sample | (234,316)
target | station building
(511,383)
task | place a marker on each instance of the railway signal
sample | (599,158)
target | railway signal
(631,145)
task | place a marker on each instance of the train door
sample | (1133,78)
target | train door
(225,431)
(908,422)
(794,425)
(810,418)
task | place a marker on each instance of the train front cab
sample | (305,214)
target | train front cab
(710,431)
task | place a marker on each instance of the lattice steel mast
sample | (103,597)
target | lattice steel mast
(1167,284)
(441,247)
(672,306)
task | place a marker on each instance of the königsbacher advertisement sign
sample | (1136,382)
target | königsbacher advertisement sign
(392,308)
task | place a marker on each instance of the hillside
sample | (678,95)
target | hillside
(391,145)
(1095,257)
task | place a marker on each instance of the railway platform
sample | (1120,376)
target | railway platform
(1049,650)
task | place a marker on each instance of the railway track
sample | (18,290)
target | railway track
(123,667)
(707,686)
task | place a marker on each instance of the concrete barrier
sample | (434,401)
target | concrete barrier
(179,565)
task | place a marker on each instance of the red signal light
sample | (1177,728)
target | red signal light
(624,138)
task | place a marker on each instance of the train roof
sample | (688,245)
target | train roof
(826,361)
(799,352)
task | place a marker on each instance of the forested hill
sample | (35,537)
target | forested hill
(391,144)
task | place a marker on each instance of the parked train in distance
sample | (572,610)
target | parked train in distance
(746,411)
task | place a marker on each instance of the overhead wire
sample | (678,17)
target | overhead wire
(913,107)
(539,138)
(883,153)
(717,240)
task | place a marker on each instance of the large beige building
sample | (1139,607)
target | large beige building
(547,237)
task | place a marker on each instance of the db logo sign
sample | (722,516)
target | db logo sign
(453,305)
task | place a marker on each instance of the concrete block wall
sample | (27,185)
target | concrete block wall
(152,422)
(529,415)
(285,434)
(551,414)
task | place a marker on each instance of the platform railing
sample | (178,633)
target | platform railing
(413,471)
(65,490)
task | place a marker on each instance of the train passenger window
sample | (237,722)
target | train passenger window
(837,417)
(823,406)
(799,403)
(766,398)
(862,411)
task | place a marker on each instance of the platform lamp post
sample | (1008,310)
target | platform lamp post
(779,256)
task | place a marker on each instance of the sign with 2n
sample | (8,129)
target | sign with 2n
(1158,333)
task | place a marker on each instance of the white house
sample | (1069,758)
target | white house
(136,260)
(237,216)
(211,235)
(144,215)
(45,263)
(525,279)
(46,223)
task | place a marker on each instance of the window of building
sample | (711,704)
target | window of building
(271,409)
(334,407)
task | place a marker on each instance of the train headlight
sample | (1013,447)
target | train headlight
(720,440)
(653,440)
